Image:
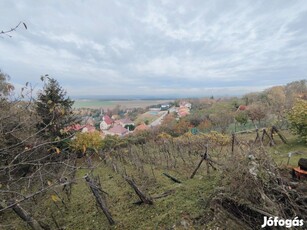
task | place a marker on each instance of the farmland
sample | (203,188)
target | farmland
(97,104)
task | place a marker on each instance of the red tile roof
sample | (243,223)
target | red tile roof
(107,120)
(126,121)
(89,129)
(242,107)
(141,127)
(74,127)
(118,129)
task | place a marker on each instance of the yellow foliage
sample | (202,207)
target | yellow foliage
(55,198)
(298,118)
(87,141)
(58,151)
(164,136)
(213,137)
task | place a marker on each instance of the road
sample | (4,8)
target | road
(159,120)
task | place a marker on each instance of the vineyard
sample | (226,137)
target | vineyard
(168,183)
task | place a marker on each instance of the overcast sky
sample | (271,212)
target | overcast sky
(158,47)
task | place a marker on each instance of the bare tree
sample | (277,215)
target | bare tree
(31,165)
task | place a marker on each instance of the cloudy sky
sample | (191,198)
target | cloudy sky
(157,47)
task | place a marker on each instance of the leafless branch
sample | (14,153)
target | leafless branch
(7,32)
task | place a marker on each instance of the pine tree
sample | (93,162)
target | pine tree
(54,109)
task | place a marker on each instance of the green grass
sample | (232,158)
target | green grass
(146,117)
(237,127)
(281,151)
(179,209)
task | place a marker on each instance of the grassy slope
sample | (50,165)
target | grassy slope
(280,151)
(178,210)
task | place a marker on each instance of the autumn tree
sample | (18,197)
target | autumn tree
(256,112)
(168,124)
(221,115)
(54,109)
(205,125)
(222,120)
(293,90)
(276,99)
(250,98)
(181,127)
(298,118)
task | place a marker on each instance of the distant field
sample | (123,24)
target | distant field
(95,104)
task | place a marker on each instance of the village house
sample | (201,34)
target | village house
(115,117)
(242,108)
(184,109)
(88,129)
(116,130)
(106,122)
(126,121)
(141,127)
(185,104)
(74,127)
(165,107)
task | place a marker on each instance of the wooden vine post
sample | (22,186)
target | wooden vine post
(204,157)
(144,199)
(27,217)
(232,143)
(97,192)
(172,178)
(265,133)
(275,130)
(209,163)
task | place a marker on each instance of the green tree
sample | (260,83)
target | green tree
(54,109)
(129,127)
(298,118)
(241,117)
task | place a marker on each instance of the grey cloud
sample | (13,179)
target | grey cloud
(119,47)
